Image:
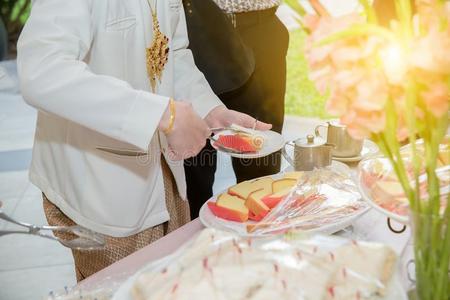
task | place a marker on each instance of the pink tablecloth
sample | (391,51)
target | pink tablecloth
(370,227)
(154,251)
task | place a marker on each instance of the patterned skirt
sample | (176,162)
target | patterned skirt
(90,262)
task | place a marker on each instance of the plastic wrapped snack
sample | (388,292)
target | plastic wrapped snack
(325,200)
(221,265)
(322,197)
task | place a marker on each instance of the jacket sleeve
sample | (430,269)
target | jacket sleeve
(190,84)
(54,78)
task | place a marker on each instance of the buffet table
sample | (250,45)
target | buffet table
(370,227)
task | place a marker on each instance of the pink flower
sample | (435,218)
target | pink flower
(348,78)
(311,21)
(360,123)
(324,26)
(357,132)
(337,104)
(395,63)
(402,128)
(402,133)
(344,55)
(320,29)
(321,77)
(371,45)
(431,52)
(318,55)
(372,92)
(437,98)
(375,121)
(432,12)
(363,72)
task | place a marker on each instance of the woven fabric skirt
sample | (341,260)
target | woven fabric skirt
(90,262)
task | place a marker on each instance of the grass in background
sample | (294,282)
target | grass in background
(13,14)
(302,98)
(23,14)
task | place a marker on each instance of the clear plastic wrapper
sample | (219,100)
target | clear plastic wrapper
(381,187)
(322,198)
(221,265)
(101,290)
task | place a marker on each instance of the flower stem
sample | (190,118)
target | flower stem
(411,101)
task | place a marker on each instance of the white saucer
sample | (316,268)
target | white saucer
(273,141)
(369,148)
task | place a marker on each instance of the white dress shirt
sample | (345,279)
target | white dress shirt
(82,64)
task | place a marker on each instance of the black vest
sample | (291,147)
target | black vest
(217,47)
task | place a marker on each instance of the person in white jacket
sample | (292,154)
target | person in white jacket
(108,148)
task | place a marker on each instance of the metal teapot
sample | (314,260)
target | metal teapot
(309,153)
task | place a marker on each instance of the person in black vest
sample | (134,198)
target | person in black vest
(241,47)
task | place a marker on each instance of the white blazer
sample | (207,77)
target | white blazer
(82,65)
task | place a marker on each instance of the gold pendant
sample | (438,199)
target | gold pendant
(157,54)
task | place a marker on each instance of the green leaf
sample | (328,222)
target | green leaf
(404,14)
(295,5)
(370,12)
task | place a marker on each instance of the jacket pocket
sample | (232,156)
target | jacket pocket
(120,15)
(114,42)
(175,5)
(121,24)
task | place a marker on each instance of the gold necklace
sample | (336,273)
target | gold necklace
(157,54)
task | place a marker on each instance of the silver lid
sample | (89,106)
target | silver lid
(310,141)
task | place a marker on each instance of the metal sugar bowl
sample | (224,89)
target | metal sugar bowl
(310,152)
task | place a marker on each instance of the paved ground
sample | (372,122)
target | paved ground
(29,266)
(32,267)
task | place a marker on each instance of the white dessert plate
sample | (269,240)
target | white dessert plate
(365,191)
(399,218)
(369,148)
(210,220)
(273,141)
